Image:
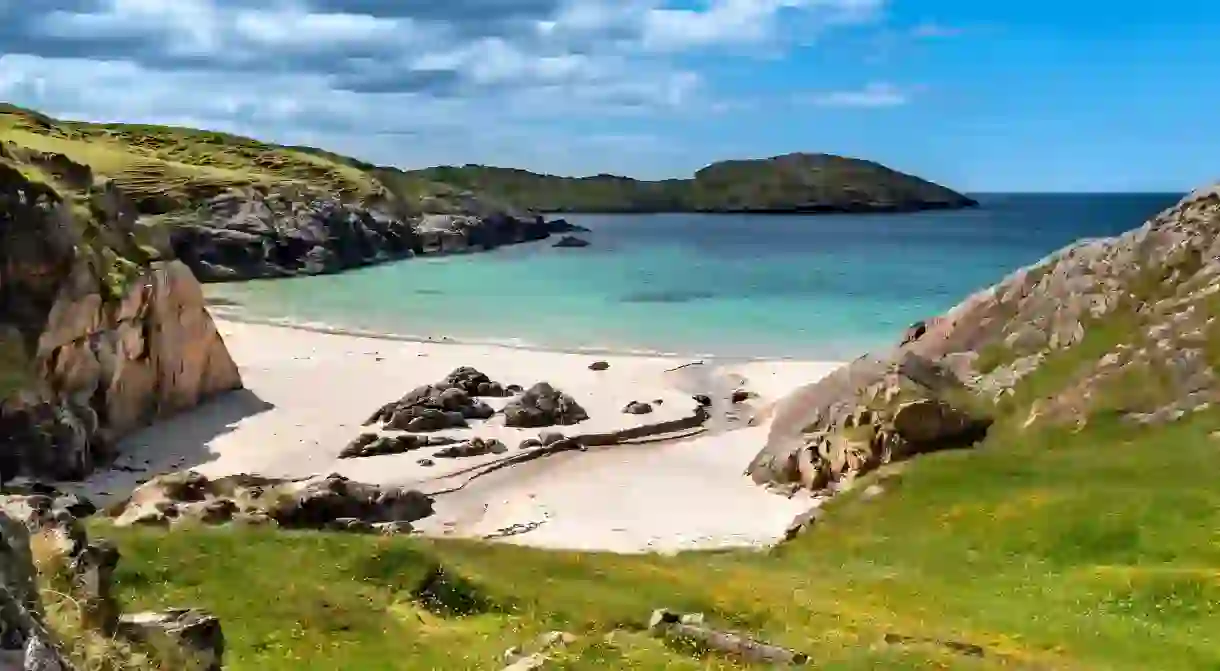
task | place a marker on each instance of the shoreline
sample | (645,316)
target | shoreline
(307,393)
(229,310)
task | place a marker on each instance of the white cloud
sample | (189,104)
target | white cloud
(348,74)
(876,94)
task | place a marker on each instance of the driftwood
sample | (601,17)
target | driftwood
(668,623)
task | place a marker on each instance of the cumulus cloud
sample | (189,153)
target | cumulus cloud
(349,73)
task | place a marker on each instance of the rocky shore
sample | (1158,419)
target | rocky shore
(249,234)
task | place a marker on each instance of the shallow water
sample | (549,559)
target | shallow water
(828,287)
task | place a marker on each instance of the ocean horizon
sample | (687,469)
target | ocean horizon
(823,287)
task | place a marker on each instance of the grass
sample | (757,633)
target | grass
(1054,549)
(167,168)
(1048,547)
(15,371)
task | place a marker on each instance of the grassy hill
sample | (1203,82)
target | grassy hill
(169,169)
(1080,534)
(808,183)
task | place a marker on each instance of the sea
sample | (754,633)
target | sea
(825,287)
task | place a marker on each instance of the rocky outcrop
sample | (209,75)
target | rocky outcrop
(102,335)
(321,502)
(194,635)
(257,233)
(444,405)
(1128,325)
(543,405)
(42,542)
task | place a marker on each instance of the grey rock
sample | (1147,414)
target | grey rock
(194,635)
(637,408)
(542,405)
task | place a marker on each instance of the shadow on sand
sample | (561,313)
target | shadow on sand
(175,443)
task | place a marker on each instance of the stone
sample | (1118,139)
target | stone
(571,241)
(476,447)
(550,437)
(740,396)
(542,405)
(309,503)
(445,405)
(530,444)
(193,636)
(637,408)
(599,365)
(703,400)
(112,353)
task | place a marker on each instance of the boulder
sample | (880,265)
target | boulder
(865,414)
(311,503)
(194,636)
(372,444)
(477,447)
(543,405)
(637,408)
(599,365)
(444,405)
(571,241)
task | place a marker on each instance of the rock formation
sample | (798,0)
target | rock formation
(543,405)
(321,502)
(42,542)
(1129,324)
(99,333)
(444,405)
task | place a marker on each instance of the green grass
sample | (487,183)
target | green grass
(1051,549)
(167,168)
(15,372)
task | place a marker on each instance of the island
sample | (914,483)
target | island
(797,183)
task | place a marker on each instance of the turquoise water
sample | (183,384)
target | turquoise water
(727,285)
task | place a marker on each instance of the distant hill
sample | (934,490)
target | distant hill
(168,169)
(792,183)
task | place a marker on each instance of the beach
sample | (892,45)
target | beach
(679,485)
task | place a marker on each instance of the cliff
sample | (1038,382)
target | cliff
(101,332)
(234,208)
(1110,332)
(792,183)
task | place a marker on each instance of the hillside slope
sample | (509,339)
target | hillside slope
(235,208)
(792,183)
(1077,533)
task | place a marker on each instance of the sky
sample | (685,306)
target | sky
(981,95)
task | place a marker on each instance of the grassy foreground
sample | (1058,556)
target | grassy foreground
(1091,550)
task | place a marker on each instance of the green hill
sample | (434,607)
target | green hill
(170,169)
(798,183)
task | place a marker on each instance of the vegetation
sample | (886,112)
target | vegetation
(790,183)
(170,170)
(1044,547)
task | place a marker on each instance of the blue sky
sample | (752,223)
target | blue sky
(983,96)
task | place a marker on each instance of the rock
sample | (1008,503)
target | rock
(444,405)
(310,503)
(382,445)
(703,400)
(543,405)
(914,332)
(477,447)
(599,365)
(571,241)
(550,437)
(530,444)
(397,528)
(637,408)
(864,415)
(193,636)
(740,396)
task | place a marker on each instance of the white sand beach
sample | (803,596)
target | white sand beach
(308,393)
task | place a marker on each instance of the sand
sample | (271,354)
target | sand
(308,393)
